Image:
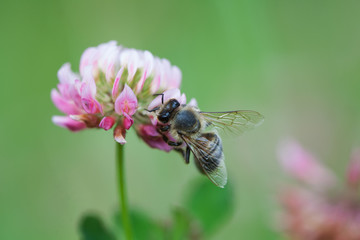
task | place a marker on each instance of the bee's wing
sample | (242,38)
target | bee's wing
(234,121)
(207,149)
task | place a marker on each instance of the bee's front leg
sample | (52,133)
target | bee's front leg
(171,143)
(164,128)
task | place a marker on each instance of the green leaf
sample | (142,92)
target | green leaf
(210,205)
(181,224)
(143,227)
(92,228)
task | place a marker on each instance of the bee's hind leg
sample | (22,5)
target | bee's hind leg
(187,155)
(182,151)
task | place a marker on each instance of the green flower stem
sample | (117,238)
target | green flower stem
(122,192)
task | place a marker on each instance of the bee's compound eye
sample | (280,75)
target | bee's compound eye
(175,104)
(164,117)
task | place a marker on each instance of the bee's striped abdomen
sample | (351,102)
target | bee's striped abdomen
(211,154)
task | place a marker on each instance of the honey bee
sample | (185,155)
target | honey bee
(188,126)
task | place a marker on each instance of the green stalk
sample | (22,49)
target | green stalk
(122,192)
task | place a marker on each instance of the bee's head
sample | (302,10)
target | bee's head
(167,110)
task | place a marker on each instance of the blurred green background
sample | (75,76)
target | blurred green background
(296,62)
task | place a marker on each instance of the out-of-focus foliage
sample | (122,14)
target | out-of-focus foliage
(92,228)
(211,205)
(206,208)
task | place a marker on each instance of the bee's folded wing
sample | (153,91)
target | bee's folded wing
(234,121)
(207,149)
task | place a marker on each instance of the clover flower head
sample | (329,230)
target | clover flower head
(323,207)
(114,88)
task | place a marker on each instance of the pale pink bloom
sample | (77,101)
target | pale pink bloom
(303,166)
(115,87)
(331,213)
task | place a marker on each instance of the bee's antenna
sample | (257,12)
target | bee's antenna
(152,110)
(162,97)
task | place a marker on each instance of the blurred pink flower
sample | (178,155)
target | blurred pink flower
(353,173)
(303,166)
(115,87)
(323,209)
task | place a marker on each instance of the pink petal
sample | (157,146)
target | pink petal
(88,85)
(153,120)
(303,166)
(66,106)
(165,69)
(88,58)
(65,75)
(140,84)
(353,172)
(148,66)
(169,94)
(120,134)
(68,123)
(130,59)
(64,90)
(90,120)
(108,53)
(91,106)
(99,107)
(109,72)
(115,90)
(151,137)
(107,122)
(128,121)
(182,99)
(155,84)
(175,77)
(193,102)
(126,102)
(89,103)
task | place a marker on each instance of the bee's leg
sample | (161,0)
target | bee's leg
(162,97)
(164,128)
(171,143)
(184,154)
(187,155)
(187,151)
